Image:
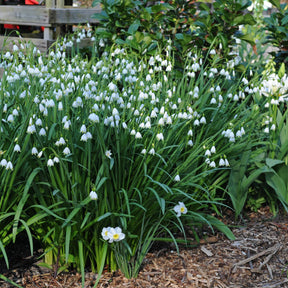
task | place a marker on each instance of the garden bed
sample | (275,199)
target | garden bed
(216,262)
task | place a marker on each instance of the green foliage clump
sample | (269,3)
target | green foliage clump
(277,27)
(144,25)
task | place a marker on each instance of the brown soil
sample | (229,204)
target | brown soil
(257,258)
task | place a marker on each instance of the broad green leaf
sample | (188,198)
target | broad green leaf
(246,19)
(273,162)
(248,38)
(281,71)
(277,183)
(179,36)
(219,225)
(134,27)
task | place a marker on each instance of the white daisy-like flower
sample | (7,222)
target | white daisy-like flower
(115,235)
(180,209)
(104,233)
(108,154)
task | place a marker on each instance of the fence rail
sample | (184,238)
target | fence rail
(52,17)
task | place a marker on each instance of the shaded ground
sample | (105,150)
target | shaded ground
(257,258)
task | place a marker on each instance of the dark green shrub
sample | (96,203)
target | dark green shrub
(277,27)
(144,25)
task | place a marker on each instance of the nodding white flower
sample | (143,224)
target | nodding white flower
(169,120)
(108,154)
(133,132)
(56,160)
(180,209)
(61,141)
(31,129)
(222,162)
(152,151)
(212,164)
(34,151)
(50,163)
(83,129)
(273,127)
(38,122)
(67,125)
(143,151)
(148,125)
(238,134)
(17,148)
(88,135)
(213,149)
(177,178)
(84,138)
(161,122)
(266,130)
(160,137)
(138,135)
(93,195)
(227,163)
(153,114)
(203,120)
(190,143)
(3,163)
(9,165)
(42,132)
(190,133)
(212,52)
(40,154)
(115,234)
(66,151)
(124,125)
(213,101)
(15,112)
(93,118)
(208,153)
(196,122)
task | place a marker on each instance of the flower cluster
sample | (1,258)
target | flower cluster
(112,234)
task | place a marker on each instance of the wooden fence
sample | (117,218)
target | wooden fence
(53,16)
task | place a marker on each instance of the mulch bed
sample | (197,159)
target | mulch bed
(257,258)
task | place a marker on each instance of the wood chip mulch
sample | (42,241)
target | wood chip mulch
(257,258)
